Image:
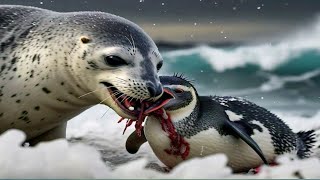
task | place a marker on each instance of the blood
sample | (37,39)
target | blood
(178,145)
(138,121)
(258,169)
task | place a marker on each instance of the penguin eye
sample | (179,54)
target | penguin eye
(178,90)
(159,65)
(114,61)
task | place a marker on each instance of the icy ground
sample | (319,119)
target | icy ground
(96,150)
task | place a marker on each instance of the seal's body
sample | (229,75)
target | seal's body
(55,65)
(234,126)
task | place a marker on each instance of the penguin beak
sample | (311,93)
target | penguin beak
(166,97)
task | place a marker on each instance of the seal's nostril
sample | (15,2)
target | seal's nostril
(154,90)
(151,90)
(158,91)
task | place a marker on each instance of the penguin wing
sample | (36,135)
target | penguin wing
(236,126)
(241,130)
(134,142)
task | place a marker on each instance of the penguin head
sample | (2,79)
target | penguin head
(185,96)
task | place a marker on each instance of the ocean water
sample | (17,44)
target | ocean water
(283,77)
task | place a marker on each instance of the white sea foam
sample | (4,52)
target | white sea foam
(266,56)
(276,82)
(58,159)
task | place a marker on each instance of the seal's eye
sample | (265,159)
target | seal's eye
(159,65)
(114,61)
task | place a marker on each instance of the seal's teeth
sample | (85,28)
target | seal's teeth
(131,108)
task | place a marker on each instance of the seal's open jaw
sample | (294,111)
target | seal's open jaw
(149,108)
(127,104)
(132,106)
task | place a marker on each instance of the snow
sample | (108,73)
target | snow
(60,159)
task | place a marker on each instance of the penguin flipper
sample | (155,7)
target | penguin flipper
(134,142)
(242,131)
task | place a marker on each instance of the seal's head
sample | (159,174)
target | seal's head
(117,60)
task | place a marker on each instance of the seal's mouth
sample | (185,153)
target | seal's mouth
(133,106)
(137,108)
(129,105)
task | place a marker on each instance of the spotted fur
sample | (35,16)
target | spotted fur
(49,59)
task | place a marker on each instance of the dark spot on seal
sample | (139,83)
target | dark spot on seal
(25,33)
(14,60)
(62,83)
(34,58)
(46,90)
(93,65)
(24,116)
(85,40)
(18,101)
(1,114)
(13,95)
(3,67)
(6,43)
(31,73)
(37,108)
(84,55)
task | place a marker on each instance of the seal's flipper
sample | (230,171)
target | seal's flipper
(134,142)
(243,131)
(57,132)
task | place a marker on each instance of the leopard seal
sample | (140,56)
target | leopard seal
(55,65)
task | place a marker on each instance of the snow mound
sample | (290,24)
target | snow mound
(59,159)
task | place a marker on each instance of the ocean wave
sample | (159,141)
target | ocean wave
(266,56)
(275,82)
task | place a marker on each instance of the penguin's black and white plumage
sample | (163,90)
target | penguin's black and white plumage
(245,132)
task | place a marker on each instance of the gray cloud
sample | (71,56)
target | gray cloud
(240,20)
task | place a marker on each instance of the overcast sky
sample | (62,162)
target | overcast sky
(201,20)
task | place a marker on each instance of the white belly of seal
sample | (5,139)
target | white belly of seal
(240,156)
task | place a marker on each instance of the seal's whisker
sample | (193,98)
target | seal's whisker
(114,101)
(116,93)
(120,97)
(122,79)
(105,112)
(134,46)
(131,99)
(129,41)
(100,88)
(89,92)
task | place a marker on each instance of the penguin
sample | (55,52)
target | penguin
(249,135)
